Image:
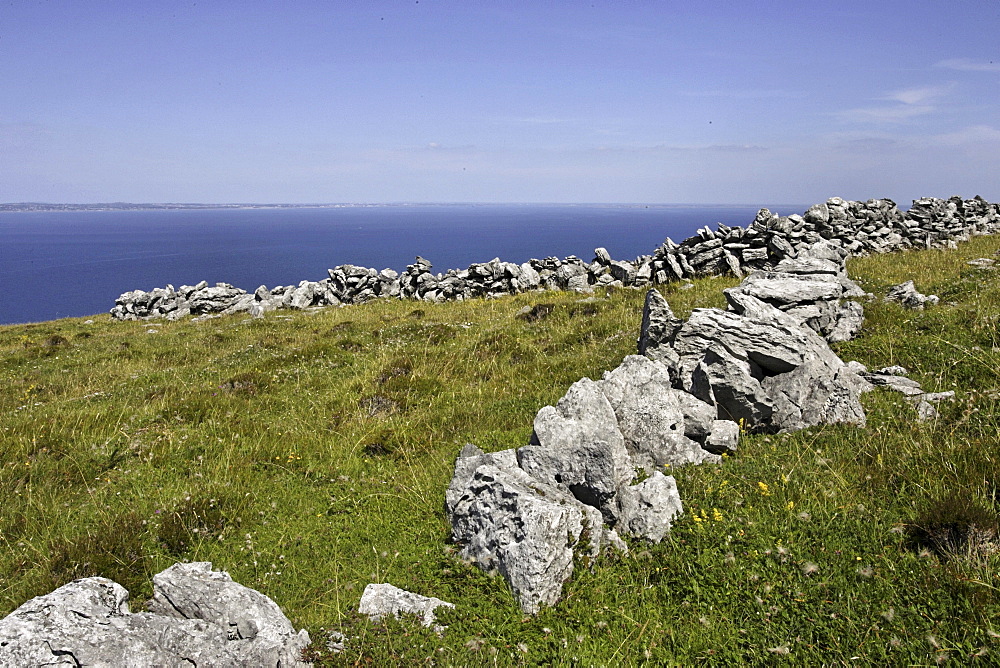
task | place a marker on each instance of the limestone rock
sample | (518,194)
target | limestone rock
(649,507)
(658,328)
(577,446)
(195,591)
(380,600)
(469,459)
(510,522)
(724,437)
(907,295)
(762,367)
(650,414)
(88,622)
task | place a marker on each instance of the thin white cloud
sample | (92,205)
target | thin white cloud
(685,148)
(744,94)
(909,103)
(968,65)
(541,120)
(897,114)
(917,96)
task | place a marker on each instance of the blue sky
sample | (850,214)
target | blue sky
(441,101)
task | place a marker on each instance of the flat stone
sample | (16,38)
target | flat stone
(381,600)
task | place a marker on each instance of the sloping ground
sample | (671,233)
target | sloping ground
(308,456)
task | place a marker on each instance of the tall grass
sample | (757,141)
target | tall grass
(307,454)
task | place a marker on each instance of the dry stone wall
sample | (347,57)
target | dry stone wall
(875,226)
(764,364)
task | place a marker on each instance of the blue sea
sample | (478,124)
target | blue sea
(75,263)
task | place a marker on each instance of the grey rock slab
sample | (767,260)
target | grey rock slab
(724,437)
(527,530)
(827,249)
(195,591)
(602,256)
(785,288)
(577,446)
(469,459)
(659,324)
(810,265)
(900,384)
(850,318)
(650,415)
(699,417)
(772,340)
(730,384)
(381,600)
(88,622)
(814,394)
(760,365)
(649,507)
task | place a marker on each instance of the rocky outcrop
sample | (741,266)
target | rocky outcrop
(525,513)
(197,617)
(811,288)
(875,226)
(763,365)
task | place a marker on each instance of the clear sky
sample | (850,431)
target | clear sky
(501,101)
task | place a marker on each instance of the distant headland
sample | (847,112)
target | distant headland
(130,206)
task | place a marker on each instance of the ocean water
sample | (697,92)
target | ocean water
(75,263)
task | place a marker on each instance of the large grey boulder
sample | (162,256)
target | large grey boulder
(651,415)
(195,591)
(381,600)
(577,446)
(469,459)
(88,623)
(510,522)
(761,367)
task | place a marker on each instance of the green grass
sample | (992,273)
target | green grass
(308,454)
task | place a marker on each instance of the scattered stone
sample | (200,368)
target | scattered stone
(536,312)
(724,437)
(907,295)
(197,617)
(380,600)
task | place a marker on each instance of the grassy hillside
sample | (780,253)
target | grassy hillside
(308,453)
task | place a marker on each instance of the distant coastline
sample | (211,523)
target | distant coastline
(22,207)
